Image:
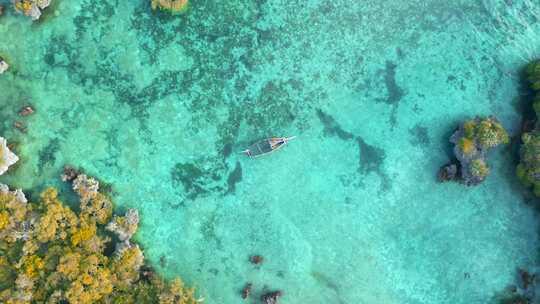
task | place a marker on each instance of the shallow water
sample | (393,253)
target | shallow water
(159,106)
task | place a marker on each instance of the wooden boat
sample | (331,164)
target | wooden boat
(267,146)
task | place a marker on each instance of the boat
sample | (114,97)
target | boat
(267,146)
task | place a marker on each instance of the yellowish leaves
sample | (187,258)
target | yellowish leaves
(31,265)
(74,267)
(176,293)
(84,232)
(4,219)
(99,208)
(69,265)
(126,266)
(466,145)
(57,220)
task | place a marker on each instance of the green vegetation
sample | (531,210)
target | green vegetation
(528,170)
(479,168)
(174,6)
(473,139)
(50,254)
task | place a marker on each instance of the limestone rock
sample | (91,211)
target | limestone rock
(19,195)
(31,8)
(125,226)
(42,4)
(3,66)
(86,187)
(7,158)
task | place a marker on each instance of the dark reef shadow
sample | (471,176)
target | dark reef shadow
(371,158)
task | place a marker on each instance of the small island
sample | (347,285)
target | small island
(472,141)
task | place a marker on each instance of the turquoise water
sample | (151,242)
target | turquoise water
(158,106)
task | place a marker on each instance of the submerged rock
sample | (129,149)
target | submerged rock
(448,172)
(271,297)
(7,158)
(26,111)
(246,291)
(69,174)
(256,259)
(3,66)
(19,125)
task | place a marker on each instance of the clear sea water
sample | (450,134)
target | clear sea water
(158,107)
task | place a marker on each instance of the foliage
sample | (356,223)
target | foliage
(473,139)
(466,145)
(533,74)
(175,6)
(528,169)
(50,254)
(490,133)
(479,168)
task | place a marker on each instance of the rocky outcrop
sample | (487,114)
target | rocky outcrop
(124,227)
(472,140)
(7,158)
(31,8)
(4,66)
(69,174)
(86,187)
(448,172)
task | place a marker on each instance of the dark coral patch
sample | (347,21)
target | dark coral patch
(194,180)
(420,135)
(47,154)
(371,157)
(371,160)
(332,127)
(234,177)
(395,92)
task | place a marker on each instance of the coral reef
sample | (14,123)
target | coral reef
(472,140)
(7,158)
(175,6)
(4,66)
(31,8)
(50,254)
